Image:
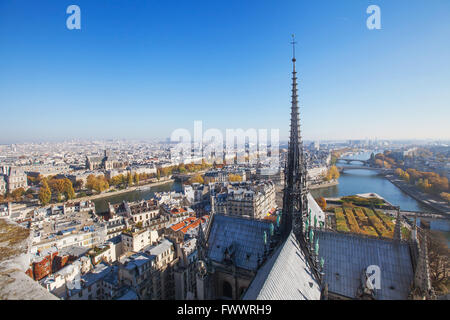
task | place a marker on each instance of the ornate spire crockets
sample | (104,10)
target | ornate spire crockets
(201,243)
(295,204)
(397,228)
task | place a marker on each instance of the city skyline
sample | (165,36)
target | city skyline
(224,151)
(131,74)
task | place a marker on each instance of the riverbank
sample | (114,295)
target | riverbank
(420,196)
(118,192)
(323,185)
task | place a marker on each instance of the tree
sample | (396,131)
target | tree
(90,181)
(399,172)
(99,183)
(117,180)
(322,203)
(136,178)
(79,184)
(379,163)
(165,171)
(57,186)
(158,174)
(445,196)
(234,177)
(332,173)
(182,168)
(196,179)
(68,189)
(439,261)
(129,179)
(17,194)
(406,177)
(45,194)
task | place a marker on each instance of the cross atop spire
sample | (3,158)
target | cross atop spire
(293,47)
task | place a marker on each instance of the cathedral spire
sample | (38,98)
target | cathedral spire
(295,204)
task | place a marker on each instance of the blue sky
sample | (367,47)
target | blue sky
(140,69)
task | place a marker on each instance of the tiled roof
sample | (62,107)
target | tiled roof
(189,223)
(346,256)
(182,224)
(247,236)
(178,210)
(285,276)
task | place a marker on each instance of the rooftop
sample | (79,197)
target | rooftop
(246,236)
(159,248)
(346,256)
(285,276)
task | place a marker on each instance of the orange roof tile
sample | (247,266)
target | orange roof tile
(178,210)
(182,224)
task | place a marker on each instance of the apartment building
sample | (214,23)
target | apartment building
(253,200)
(12,178)
(150,272)
(142,212)
(136,239)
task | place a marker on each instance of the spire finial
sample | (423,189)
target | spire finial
(293,47)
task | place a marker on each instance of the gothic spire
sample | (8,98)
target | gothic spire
(295,204)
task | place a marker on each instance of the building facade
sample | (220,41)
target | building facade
(12,178)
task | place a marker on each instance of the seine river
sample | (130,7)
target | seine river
(367,181)
(101,205)
(351,182)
